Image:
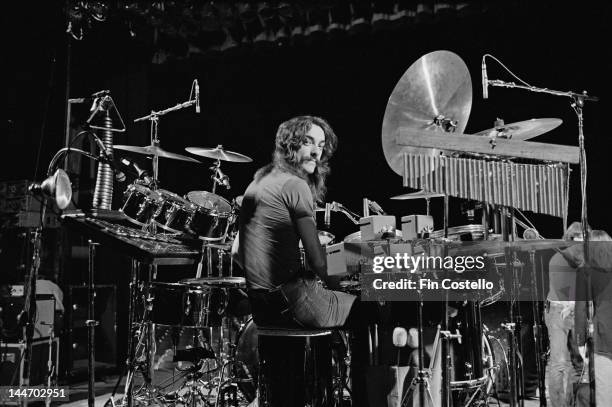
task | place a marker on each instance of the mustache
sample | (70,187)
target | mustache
(311,159)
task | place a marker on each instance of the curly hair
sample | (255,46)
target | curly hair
(290,136)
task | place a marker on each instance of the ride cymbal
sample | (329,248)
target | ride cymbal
(218,153)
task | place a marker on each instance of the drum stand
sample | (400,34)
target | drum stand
(145,336)
(537,329)
(421,382)
(513,328)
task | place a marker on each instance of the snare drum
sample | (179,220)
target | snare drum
(212,215)
(174,212)
(140,203)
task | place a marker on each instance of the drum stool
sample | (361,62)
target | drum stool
(294,367)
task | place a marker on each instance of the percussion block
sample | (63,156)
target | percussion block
(414,225)
(343,260)
(373,227)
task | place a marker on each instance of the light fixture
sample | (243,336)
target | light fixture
(56,187)
(98,10)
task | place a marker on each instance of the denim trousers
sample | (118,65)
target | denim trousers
(560,373)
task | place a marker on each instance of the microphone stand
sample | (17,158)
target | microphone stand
(577,105)
(153,117)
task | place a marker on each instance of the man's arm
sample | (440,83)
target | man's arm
(235,251)
(307,231)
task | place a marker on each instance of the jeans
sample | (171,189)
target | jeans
(603,378)
(560,373)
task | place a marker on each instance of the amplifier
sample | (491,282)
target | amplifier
(11,307)
(75,337)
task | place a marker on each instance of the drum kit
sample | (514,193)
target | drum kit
(194,331)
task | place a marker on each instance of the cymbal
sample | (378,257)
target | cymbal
(437,85)
(522,130)
(154,151)
(417,195)
(218,153)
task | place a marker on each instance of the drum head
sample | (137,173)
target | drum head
(171,196)
(207,200)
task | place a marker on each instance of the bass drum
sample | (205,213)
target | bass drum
(246,368)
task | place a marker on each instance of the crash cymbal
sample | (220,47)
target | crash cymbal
(417,195)
(218,153)
(154,151)
(437,86)
(521,130)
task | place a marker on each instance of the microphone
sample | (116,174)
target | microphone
(485,81)
(197,96)
(222,179)
(327,216)
(139,171)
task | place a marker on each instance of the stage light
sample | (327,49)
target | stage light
(98,10)
(56,187)
(361,16)
(381,14)
(77,21)
(339,18)
(404,13)
(316,22)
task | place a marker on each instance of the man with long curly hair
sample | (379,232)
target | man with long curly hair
(278,211)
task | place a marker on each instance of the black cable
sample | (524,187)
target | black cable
(45,111)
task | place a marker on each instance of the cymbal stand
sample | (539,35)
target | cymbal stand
(422,378)
(154,116)
(513,329)
(577,104)
(537,328)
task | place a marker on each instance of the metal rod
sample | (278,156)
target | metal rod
(91,326)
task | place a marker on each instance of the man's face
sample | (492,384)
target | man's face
(310,152)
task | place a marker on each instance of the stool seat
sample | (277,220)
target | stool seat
(292,332)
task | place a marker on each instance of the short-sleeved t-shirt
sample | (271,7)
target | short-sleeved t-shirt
(269,242)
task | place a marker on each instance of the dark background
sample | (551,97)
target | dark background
(347,80)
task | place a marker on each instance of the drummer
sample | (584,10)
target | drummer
(277,212)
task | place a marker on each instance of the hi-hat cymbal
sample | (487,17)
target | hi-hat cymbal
(218,153)
(154,151)
(438,87)
(417,195)
(522,130)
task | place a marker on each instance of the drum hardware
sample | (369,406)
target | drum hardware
(338,207)
(537,328)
